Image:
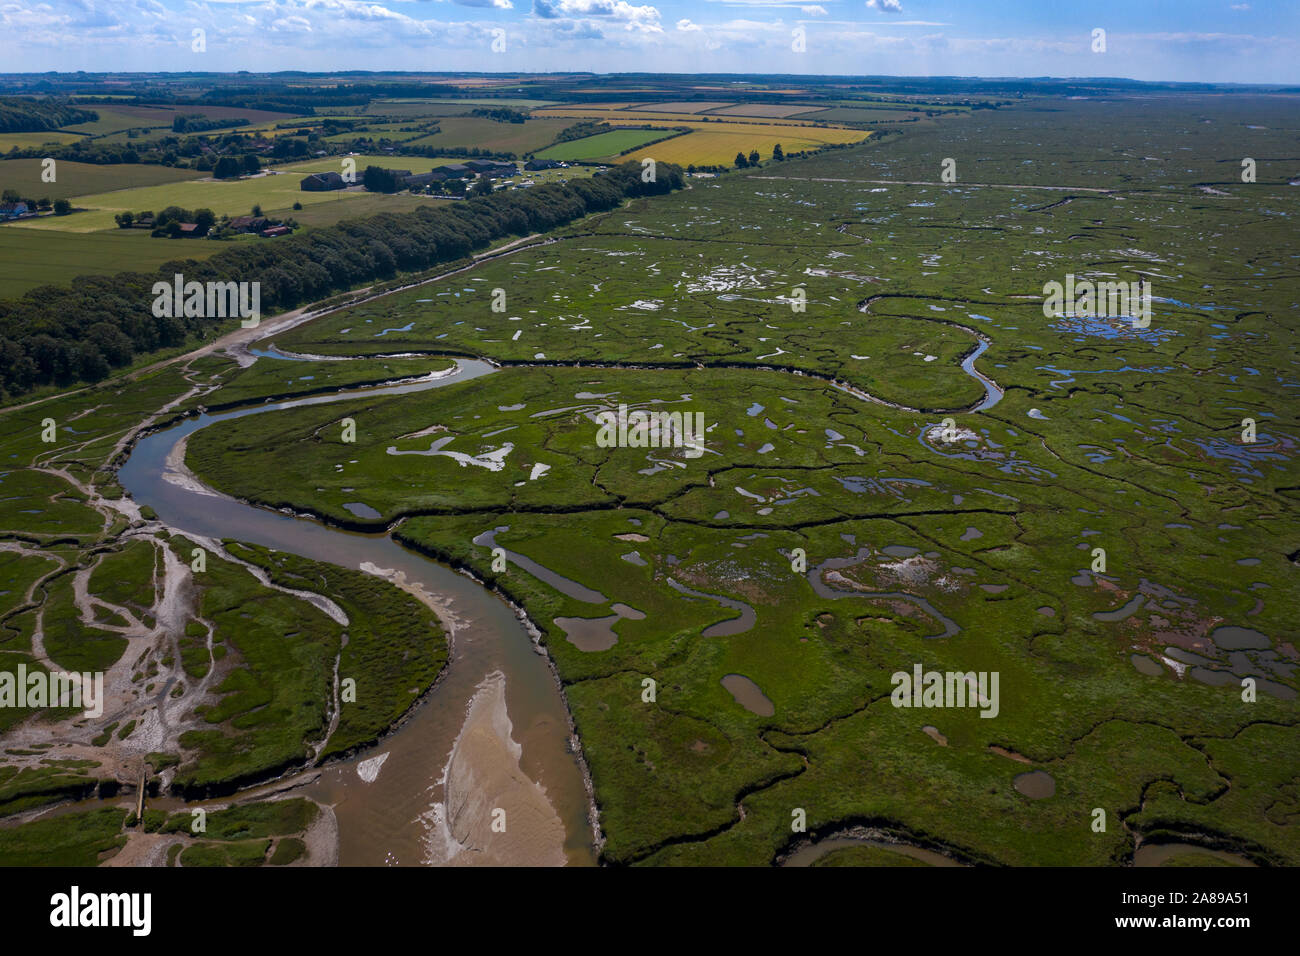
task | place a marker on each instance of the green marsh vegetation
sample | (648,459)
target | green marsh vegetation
(1107,436)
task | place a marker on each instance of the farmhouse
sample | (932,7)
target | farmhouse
(249,223)
(274,231)
(534,164)
(14,210)
(322,182)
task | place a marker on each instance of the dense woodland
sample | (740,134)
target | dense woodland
(63,335)
(23,115)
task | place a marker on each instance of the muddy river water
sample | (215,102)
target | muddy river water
(493,734)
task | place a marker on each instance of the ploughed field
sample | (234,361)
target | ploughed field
(833,529)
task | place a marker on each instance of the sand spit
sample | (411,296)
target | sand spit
(482,779)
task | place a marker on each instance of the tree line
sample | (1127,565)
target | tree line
(61,336)
(23,115)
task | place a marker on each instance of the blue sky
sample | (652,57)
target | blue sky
(1247,41)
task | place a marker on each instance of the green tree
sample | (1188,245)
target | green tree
(376,179)
(482,187)
(251,163)
(124,220)
(777,153)
(204,220)
(62,207)
(753,157)
(741,161)
(227,168)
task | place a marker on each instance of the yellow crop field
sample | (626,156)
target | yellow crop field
(716,144)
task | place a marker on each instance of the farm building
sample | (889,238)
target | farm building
(322,182)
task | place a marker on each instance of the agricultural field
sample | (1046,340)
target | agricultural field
(678,107)
(611,113)
(855,114)
(273,190)
(475,131)
(717,144)
(602,144)
(83,179)
(37,257)
(447,107)
(116,119)
(10,141)
(765,110)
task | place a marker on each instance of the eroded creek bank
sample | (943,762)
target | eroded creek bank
(494,734)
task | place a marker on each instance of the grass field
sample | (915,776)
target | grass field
(113,119)
(83,179)
(474,131)
(35,257)
(10,141)
(232,198)
(602,144)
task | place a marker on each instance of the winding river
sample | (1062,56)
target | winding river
(495,726)
(394,817)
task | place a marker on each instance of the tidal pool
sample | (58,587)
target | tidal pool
(748,695)
(1036,785)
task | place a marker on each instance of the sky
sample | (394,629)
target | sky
(1242,41)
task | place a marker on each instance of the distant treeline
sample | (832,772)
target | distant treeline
(21,115)
(60,336)
(433,152)
(582,131)
(198,123)
(88,151)
(502,114)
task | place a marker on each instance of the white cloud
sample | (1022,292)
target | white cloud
(888,6)
(686,26)
(612,9)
